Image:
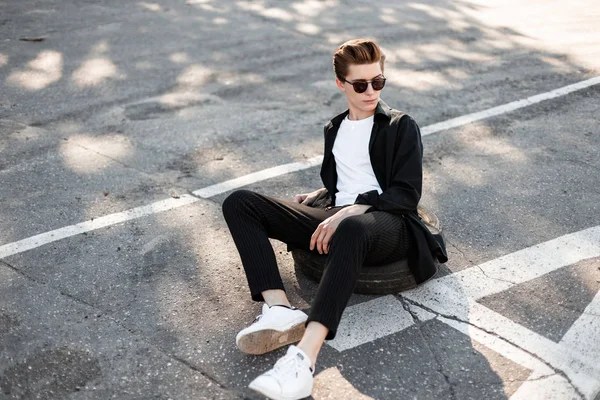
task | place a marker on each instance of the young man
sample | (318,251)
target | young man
(372,172)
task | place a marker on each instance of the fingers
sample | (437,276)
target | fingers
(315,236)
(326,241)
(298,198)
(320,238)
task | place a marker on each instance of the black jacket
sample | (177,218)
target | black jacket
(396,154)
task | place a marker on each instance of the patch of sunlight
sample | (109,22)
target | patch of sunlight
(68,127)
(211,8)
(420,81)
(465,173)
(96,69)
(330,384)
(230,78)
(441,52)
(179,57)
(456,73)
(313,8)
(3,59)
(93,72)
(389,19)
(195,75)
(494,146)
(38,11)
(203,251)
(559,64)
(558,27)
(220,21)
(591,274)
(412,26)
(185,99)
(100,48)
(150,6)
(44,70)
(429,10)
(80,152)
(272,13)
(336,38)
(309,29)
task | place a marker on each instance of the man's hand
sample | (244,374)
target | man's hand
(307,198)
(322,235)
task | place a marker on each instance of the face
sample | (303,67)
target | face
(365,102)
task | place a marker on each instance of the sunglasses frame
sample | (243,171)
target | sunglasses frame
(366,83)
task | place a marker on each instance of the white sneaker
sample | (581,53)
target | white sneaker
(290,379)
(276,327)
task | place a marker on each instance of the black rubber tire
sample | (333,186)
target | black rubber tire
(382,279)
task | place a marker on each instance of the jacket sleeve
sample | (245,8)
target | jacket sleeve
(404,191)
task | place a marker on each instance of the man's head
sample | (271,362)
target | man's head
(359,60)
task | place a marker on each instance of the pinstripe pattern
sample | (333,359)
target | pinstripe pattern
(373,238)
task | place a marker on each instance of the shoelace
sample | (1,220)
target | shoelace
(287,366)
(259,316)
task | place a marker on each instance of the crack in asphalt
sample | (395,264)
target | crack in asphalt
(460,251)
(539,378)
(455,318)
(130,330)
(440,368)
(496,279)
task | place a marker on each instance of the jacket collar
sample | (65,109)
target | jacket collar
(381,112)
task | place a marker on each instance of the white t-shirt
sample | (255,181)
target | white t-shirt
(353,164)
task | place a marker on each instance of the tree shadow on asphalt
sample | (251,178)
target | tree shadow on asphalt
(232,84)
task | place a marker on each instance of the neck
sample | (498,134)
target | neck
(355,114)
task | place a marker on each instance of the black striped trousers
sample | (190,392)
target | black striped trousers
(373,238)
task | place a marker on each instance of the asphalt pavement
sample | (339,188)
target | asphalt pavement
(119,279)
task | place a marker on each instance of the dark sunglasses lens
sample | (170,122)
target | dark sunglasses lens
(378,84)
(360,87)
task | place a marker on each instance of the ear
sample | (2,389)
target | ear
(340,84)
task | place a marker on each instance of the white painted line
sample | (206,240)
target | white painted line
(254,177)
(553,387)
(97,223)
(584,338)
(213,190)
(500,346)
(455,296)
(371,320)
(584,334)
(583,372)
(521,266)
(505,108)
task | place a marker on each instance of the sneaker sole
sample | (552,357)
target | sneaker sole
(266,340)
(275,396)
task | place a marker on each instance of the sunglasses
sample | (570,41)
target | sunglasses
(360,86)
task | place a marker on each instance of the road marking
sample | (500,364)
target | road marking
(96,223)
(583,337)
(369,321)
(453,299)
(553,387)
(505,108)
(213,190)
(258,176)
(521,266)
